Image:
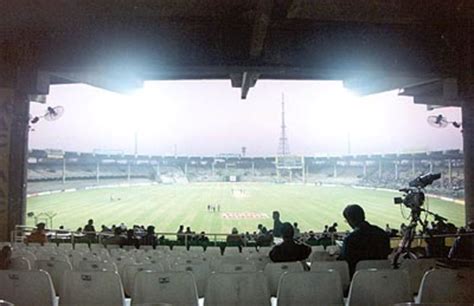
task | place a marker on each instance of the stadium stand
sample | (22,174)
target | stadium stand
(66,170)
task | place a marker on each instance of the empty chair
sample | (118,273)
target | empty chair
(130,271)
(447,286)
(264,250)
(53,257)
(20,263)
(374,264)
(379,288)
(56,271)
(416,270)
(340,266)
(315,288)
(27,288)
(273,271)
(92,289)
(321,256)
(260,261)
(86,266)
(175,288)
(237,267)
(200,272)
(213,251)
(333,249)
(231,251)
(237,289)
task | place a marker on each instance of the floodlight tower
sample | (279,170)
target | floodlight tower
(283,146)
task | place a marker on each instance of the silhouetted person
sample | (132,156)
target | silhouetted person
(365,242)
(150,237)
(38,235)
(277,224)
(289,250)
(463,247)
(131,240)
(5,258)
(89,231)
(180,234)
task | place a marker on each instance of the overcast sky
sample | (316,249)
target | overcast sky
(208,118)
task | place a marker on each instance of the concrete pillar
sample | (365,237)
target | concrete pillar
(64,170)
(431,166)
(14,117)
(468,145)
(413,170)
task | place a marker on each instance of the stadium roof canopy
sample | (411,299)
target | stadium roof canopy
(372,45)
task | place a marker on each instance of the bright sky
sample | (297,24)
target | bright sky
(208,118)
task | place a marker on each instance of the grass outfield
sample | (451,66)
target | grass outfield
(243,205)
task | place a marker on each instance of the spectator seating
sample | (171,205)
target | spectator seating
(236,267)
(130,272)
(273,271)
(341,267)
(237,289)
(416,270)
(55,269)
(102,288)
(447,286)
(90,266)
(20,263)
(176,288)
(27,288)
(379,287)
(315,288)
(321,256)
(200,271)
(374,264)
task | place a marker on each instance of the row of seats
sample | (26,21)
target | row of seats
(368,288)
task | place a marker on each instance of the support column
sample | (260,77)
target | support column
(431,166)
(14,116)
(468,147)
(413,170)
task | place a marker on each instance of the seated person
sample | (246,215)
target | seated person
(5,258)
(234,239)
(38,235)
(289,250)
(312,240)
(130,240)
(150,237)
(365,242)
(265,238)
(463,247)
(117,238)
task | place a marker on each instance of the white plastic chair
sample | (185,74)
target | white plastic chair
(176,288)
(416,270)
(56,271)
(236,268)
(382,264)
(130,271)
(20,264)
(373,287)
(321,256)
(91,289)
(200,272)
(314,288)
(90,266)
(237,289)
(27,288)
(340,266)
(273,271)
(447,286)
